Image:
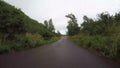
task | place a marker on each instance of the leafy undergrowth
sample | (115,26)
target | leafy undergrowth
(25,42)
(103,45)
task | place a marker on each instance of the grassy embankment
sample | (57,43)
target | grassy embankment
(18,31)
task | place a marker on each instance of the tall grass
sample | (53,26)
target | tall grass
(108,46)
(27,40)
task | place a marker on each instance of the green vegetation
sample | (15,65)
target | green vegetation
(101,34)
(18,31)
(49,25)
(72,27)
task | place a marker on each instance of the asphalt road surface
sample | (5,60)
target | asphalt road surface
(61,54)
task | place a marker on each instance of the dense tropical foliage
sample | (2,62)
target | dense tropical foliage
(72,27)
(101,34)
(49,25)
(18,31)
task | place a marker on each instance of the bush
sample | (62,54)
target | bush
(30,40)
(24,41)
(105,45)
(4,49)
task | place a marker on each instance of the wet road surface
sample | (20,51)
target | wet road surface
(61,54)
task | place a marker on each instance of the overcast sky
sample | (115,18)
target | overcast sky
(41,10)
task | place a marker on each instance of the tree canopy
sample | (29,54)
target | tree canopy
(72,27)
(49,25)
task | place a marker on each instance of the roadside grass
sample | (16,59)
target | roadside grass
(25,42)
(103,45)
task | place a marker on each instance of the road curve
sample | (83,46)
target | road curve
(61,54)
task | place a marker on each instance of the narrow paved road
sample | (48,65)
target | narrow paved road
(61,54)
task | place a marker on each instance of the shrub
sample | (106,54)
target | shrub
(30,40)
(107,46)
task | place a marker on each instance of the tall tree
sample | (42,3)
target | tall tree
(72,27)
(58,33)
(88,26)
(46,24)
(51,26)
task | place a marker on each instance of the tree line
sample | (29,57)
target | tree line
(101,34)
